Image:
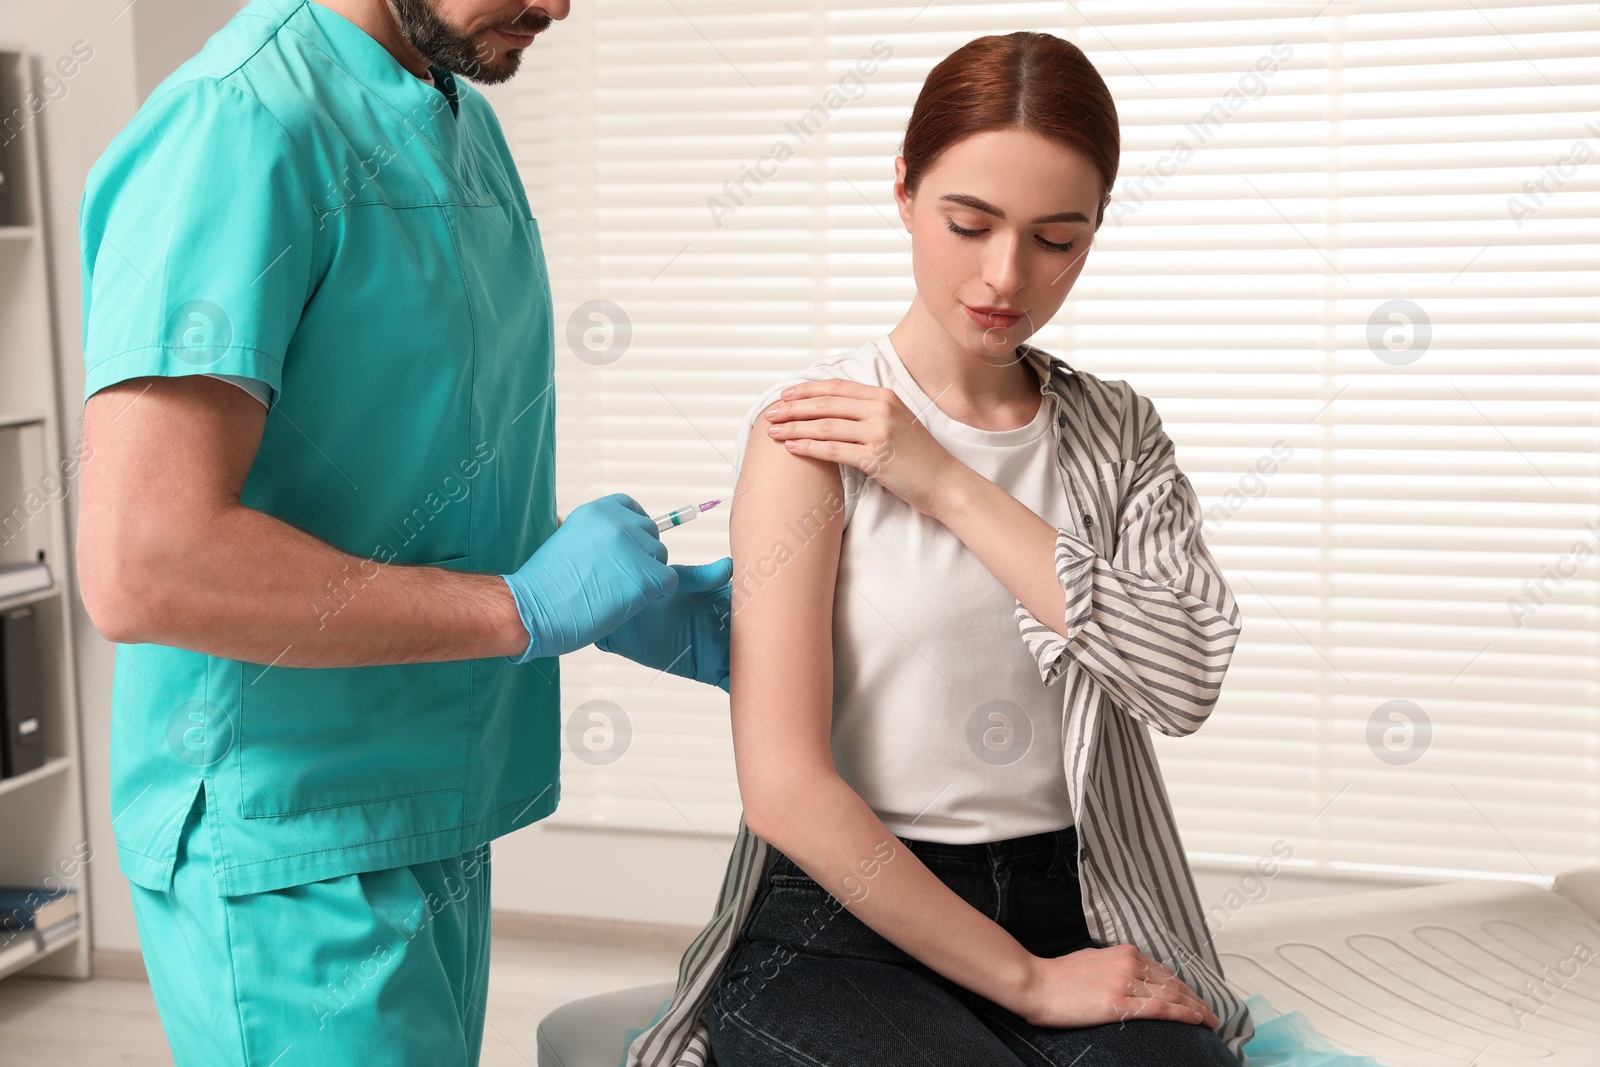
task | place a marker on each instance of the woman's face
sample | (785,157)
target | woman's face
(1000,227)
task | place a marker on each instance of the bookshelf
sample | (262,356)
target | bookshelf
(43,837)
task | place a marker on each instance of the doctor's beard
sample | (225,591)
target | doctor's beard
(444,46)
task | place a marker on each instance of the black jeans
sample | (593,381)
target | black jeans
(809,983)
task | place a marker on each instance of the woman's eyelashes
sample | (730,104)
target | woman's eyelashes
(962,231)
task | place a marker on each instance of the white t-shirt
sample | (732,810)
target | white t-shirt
(254,386)
(940,720)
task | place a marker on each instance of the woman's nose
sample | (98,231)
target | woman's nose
(1002,268)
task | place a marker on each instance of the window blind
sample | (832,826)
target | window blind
(1352,255)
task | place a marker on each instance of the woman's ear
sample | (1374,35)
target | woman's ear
(901,200)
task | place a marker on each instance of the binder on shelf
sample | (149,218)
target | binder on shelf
(22,746)
(19,578)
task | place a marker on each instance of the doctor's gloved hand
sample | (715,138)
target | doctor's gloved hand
(604,564)
(686,633)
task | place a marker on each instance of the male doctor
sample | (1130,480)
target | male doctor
(318,519)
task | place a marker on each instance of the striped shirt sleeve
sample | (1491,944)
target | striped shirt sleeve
(1155,623)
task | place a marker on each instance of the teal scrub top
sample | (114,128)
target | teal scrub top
(294,207)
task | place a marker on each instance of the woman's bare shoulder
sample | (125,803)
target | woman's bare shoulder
(865,364)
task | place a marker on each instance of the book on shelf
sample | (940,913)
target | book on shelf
(19,578)
(30,907)
(34,920)
(51,936)
(22,743)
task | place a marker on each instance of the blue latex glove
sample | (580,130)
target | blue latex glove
(686,633)
(604,564)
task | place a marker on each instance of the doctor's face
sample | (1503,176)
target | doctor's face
(1000,227)
(477,39)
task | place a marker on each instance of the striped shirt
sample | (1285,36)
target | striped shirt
(1151,626)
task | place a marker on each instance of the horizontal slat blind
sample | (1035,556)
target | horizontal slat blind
(1351,254)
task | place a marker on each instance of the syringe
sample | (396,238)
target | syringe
(682,515)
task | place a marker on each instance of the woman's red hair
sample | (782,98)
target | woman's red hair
(1024,80)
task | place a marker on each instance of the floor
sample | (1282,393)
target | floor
(111,1023)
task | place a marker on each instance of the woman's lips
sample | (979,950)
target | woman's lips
(992,320)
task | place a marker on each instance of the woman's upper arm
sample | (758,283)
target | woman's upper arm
(785,530)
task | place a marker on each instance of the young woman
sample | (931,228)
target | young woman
(967,578)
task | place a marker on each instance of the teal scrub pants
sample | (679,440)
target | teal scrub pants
(384,968)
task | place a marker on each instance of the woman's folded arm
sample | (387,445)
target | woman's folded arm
(1155,624)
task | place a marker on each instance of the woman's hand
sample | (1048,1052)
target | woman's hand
(1094,986)
(867,427)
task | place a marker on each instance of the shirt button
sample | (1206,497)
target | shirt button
(1087,522)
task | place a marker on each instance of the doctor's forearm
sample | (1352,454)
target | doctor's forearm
(251,587)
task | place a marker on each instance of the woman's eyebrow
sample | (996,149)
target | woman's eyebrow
(984,206)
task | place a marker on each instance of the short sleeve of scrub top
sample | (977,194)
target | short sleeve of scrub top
(197,253)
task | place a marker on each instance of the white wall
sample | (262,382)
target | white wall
(167,32)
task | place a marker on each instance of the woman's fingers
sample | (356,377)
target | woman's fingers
(823,430)
(1157,1008)
(1176,992)
(836,386)
(1158,973)
(1165,992)
(1151,1001)
(1184,998)
(861,457)
(818,406)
